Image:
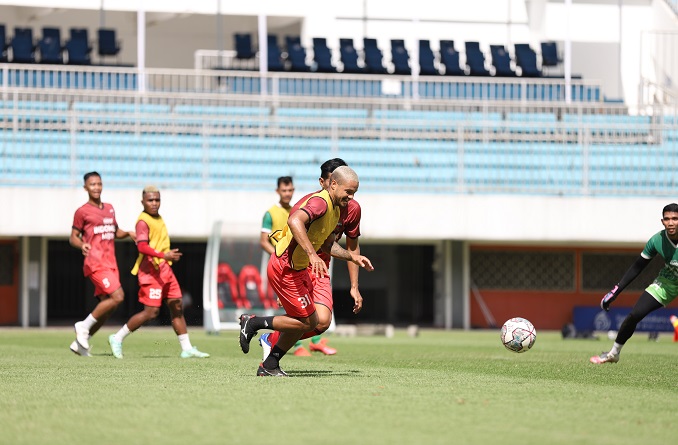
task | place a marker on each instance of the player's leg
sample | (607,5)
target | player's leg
(322,297)
(150,295)
(176,308)
(106,282)
(646,303)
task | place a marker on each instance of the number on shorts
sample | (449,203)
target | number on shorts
(305,301)
(155,294)
(107,283)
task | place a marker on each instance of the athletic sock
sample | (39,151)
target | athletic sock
(273,359)
(185,342)
(89,322)
(258,323)
(273,338)
(616,348)
(316,339)
(122,333)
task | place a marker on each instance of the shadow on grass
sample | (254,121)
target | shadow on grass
(323,373)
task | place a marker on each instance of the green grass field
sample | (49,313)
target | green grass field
(438,388)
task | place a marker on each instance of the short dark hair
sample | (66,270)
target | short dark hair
(89,175)
(673,207)
(285,180)
(329,166)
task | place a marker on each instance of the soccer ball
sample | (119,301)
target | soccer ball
(518,335)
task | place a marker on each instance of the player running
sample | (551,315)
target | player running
(660,293)
(94,232)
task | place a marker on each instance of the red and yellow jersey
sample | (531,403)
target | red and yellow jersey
(98,227)
(323,217)
(153,230)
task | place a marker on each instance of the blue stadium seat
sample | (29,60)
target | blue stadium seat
(373,57)
(78,47)
(23,48)
(475,60)
(51,49)
(400,58)
(526,59)
(322,56)
(275,62)
(449,56)
(108,44)
(296,55)
(243,46)
(3,44)
(501,60)
(426,59)
(349,57)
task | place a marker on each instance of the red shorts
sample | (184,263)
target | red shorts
(106,281)
(157,285)
(294,288)
(322,291)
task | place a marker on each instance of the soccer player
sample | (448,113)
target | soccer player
(660,293)
(289,271)
(272,226)
(157,282)
(94,232)
(349,224)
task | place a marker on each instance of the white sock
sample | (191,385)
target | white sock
(122,333)
(616,348)
(185,342)
(89,322)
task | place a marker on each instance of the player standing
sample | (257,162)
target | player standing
(660,293)
(289,271)
(157,281)
(349,224)
(94,232)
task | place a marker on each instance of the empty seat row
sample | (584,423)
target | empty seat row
(448,62)
(50,48)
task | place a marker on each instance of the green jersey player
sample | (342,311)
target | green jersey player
(661,292)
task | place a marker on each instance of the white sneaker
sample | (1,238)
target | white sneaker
(77,349)
(81,335)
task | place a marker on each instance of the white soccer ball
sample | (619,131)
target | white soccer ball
(518,335)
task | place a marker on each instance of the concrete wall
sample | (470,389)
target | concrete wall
(386,218)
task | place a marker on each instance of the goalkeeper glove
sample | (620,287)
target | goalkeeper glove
(609,298)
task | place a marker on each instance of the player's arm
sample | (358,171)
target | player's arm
(144,248)
(120,234)
(297,223)
(339,252)
(353,246)
(266,244)
(266,229)
(76,241)
(636,268)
